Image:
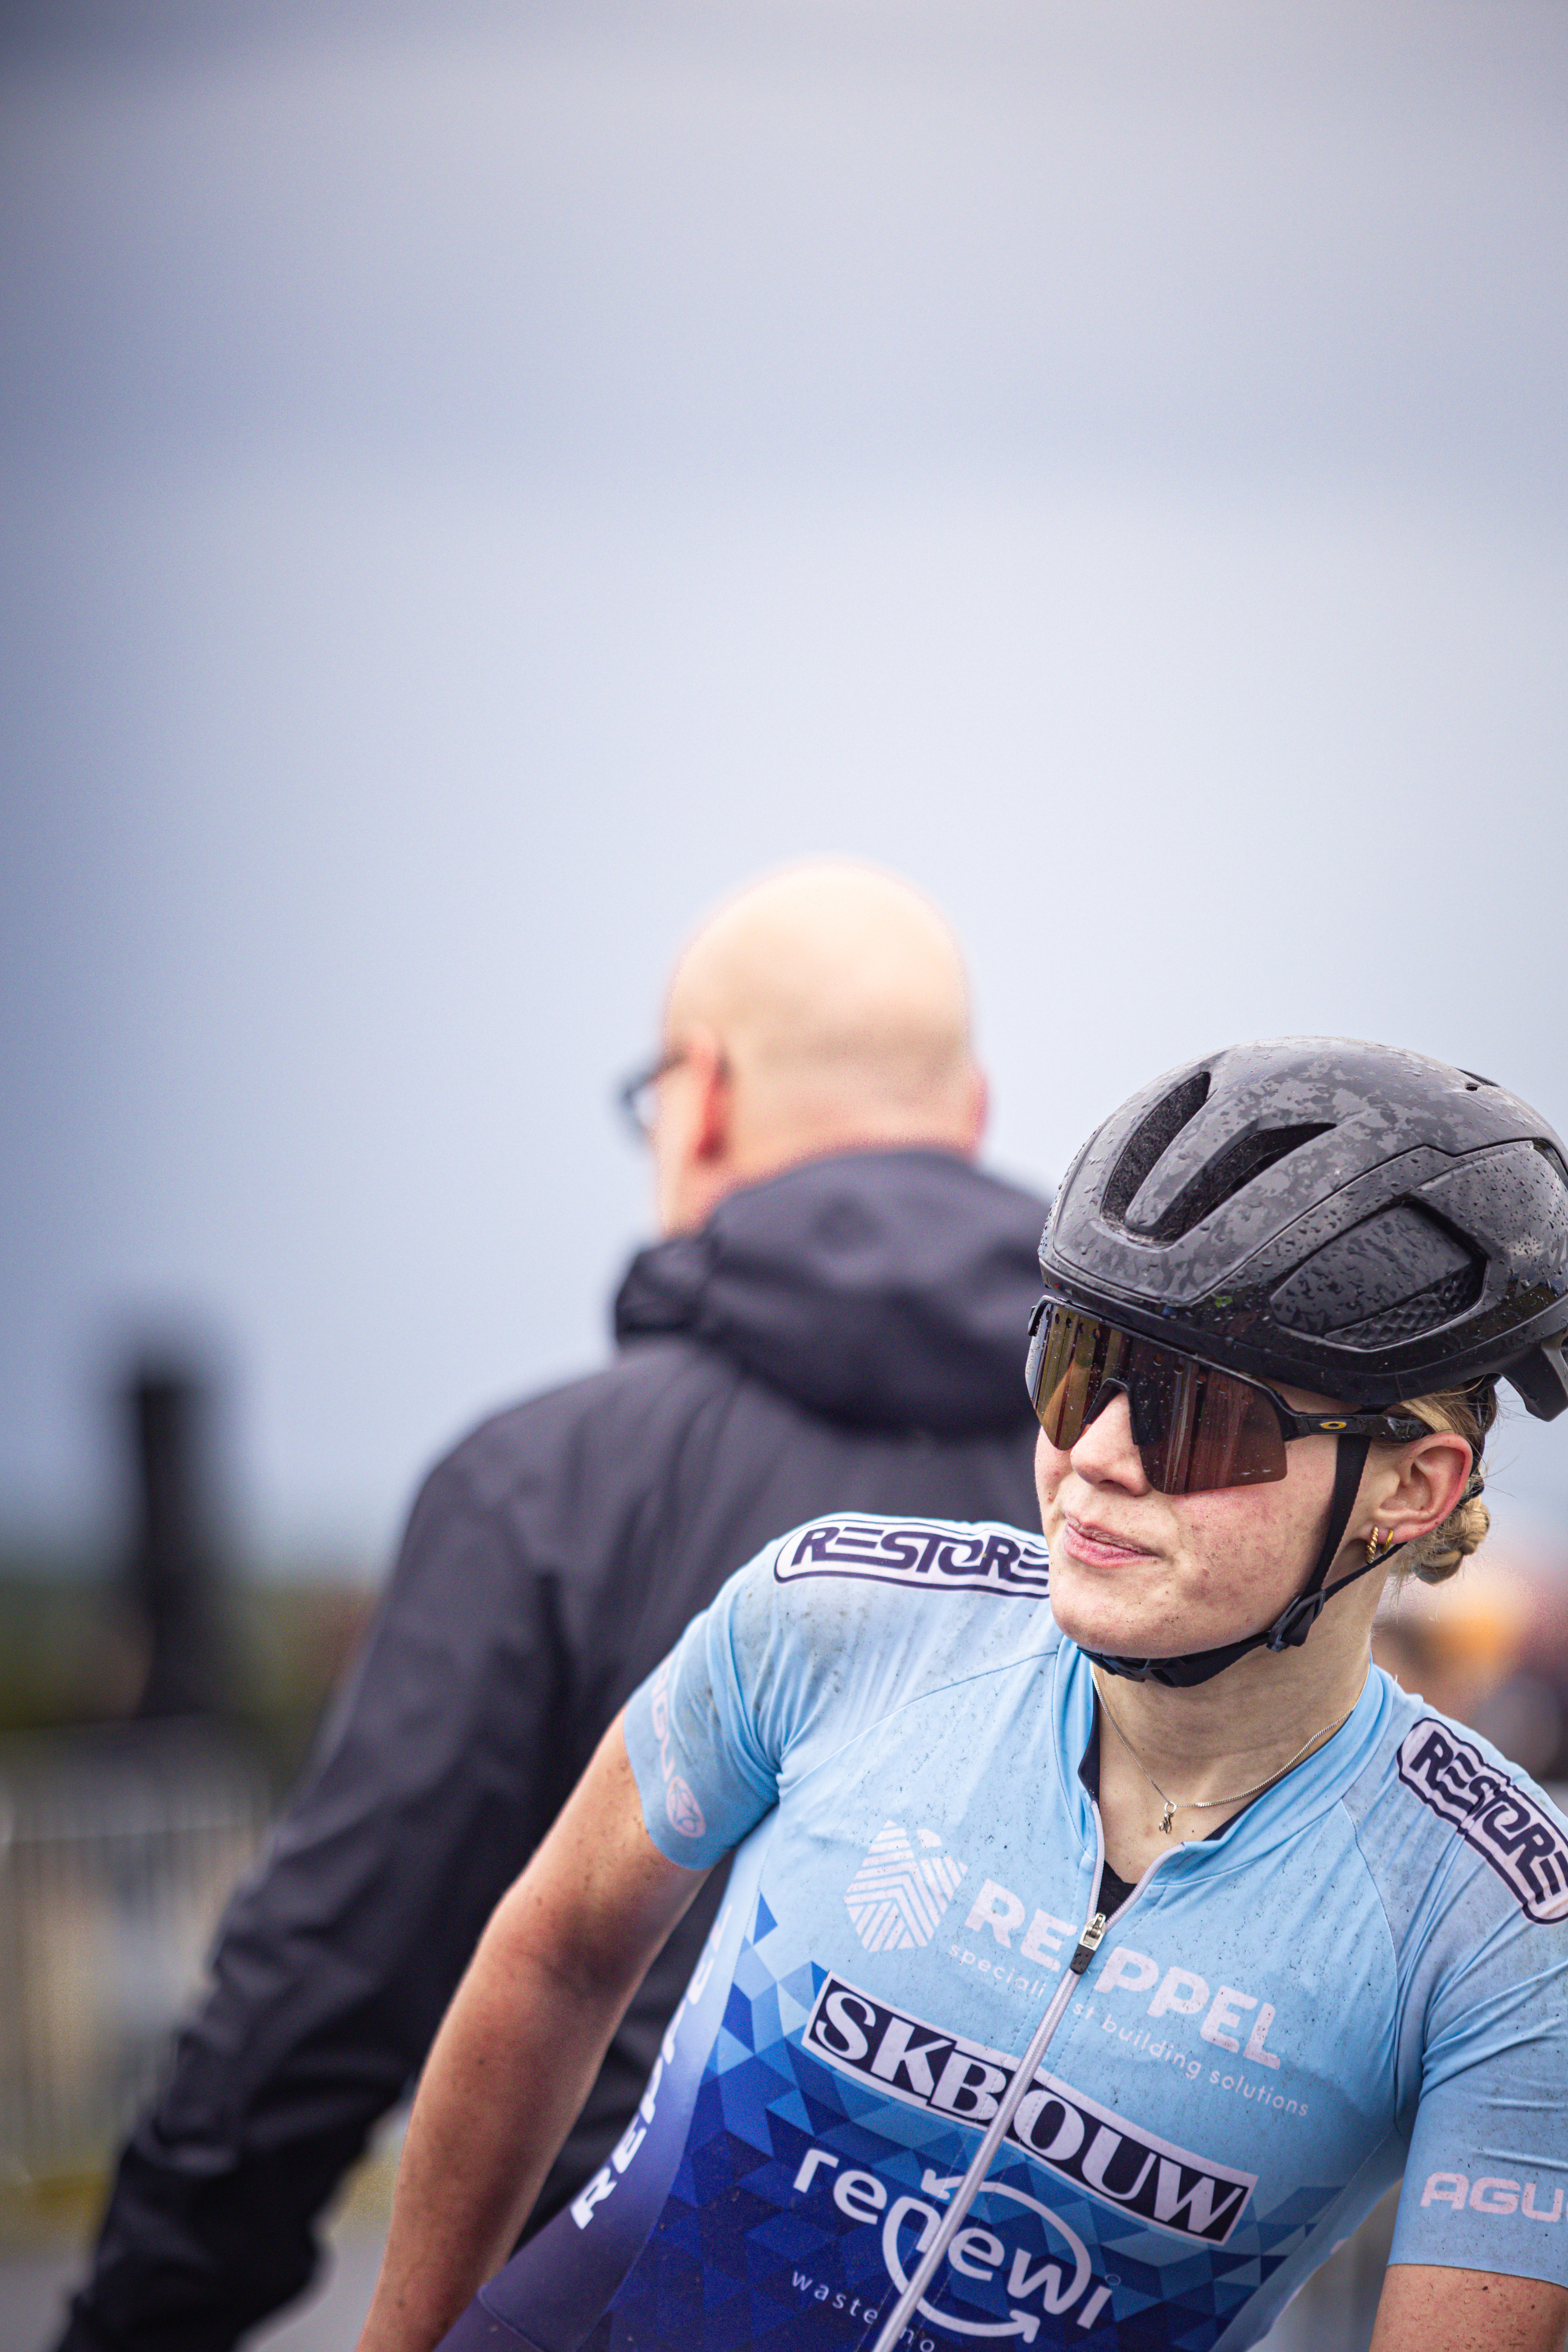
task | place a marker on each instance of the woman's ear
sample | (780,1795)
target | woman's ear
(1413,1488)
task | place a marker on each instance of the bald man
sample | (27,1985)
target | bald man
(825,1010)
(832,1320)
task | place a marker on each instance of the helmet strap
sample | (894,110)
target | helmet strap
(1298,1617)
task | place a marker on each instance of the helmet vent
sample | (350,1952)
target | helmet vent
(1242,1159)
(1428,1311)
(1149,1140)
(1399,1274)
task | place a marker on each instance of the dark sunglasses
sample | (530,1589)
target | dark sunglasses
(1196,1426)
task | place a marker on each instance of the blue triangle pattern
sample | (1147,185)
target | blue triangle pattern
(767,2026)
(751,1972)
(744,2116)
(740,2258)
(728,2053)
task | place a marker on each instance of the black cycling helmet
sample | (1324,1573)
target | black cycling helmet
(1341,1217)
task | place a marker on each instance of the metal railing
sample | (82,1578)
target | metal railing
(117,1851)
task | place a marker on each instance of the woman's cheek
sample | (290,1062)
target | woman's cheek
(1244,1538)
(1050,1469)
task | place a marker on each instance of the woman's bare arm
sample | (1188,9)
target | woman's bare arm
(1426,2308)
(518,2049)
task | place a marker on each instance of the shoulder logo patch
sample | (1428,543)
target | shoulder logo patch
(898,1895)
(1523,1844)
(917,1552)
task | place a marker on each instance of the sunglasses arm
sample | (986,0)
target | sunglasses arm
(1393,1428)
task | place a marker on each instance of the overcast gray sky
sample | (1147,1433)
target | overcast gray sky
(481,481)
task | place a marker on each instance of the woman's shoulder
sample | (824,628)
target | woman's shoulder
(871,1608)
(1445,1821)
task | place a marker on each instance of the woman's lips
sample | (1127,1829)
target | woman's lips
(1098,1548)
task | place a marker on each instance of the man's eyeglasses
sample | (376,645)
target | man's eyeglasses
(1197,1427)
(637,1100)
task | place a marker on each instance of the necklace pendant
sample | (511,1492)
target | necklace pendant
(1166,1818)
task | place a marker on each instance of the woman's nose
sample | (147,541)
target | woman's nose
(1105,1452)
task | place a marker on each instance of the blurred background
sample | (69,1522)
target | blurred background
(480,482)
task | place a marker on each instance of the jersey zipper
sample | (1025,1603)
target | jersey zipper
(1088,1943)
(974,2180)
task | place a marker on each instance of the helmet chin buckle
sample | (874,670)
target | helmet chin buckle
(1293,1625)
(1133,1670)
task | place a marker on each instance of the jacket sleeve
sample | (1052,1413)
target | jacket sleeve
(433,1780)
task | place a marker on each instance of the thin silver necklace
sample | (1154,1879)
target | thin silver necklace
(1174,1805)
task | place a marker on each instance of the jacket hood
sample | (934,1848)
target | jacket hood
(887,1288)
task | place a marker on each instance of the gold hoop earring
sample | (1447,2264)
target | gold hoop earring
(1376,1547)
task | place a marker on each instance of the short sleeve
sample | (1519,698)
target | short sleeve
(706,1769)
(1486,2185)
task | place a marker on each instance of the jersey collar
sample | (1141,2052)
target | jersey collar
(1307,1791)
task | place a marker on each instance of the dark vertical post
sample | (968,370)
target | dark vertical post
(175,1568)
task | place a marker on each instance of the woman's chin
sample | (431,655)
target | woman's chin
(1123,1641)
(1113,1630)
(1101,1614)
(1096,1623)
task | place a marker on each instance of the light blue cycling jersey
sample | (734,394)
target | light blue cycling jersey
(1364,1973)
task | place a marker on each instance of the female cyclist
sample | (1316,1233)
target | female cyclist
(1091,1964)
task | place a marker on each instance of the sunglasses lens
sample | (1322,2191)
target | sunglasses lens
(1067,1365)
(1219,1431)
(1195,1428)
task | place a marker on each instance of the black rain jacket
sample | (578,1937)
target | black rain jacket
(849,1334)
